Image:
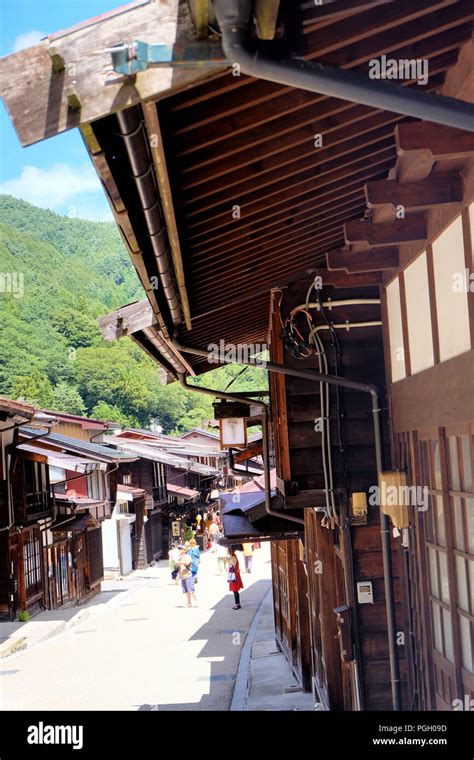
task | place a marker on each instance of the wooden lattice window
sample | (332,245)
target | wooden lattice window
(32,561)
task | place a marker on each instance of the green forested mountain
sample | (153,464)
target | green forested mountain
(57,275)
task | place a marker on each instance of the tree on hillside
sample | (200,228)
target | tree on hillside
(108,413)
(35,389)
(77,327)
(67,399)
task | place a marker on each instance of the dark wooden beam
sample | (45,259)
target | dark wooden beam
(254,450)
(127,320)
(38,92)
(436,141)
(261,99)
(438,189)
(412,229)
(373,260)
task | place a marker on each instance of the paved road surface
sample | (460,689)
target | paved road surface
(145,652)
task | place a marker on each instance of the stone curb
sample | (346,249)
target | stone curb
(240,697)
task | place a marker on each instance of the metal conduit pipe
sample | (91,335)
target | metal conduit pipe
(234,17)
(343,326)
(265,441)
(132,132)
(384,521)
(334,304)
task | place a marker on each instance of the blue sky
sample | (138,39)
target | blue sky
(55,173)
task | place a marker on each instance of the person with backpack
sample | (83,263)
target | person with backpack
(234,578)
(195,555)
(186,577)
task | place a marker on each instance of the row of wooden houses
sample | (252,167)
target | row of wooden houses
(78,503)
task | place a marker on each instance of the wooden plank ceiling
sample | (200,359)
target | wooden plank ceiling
(237,141)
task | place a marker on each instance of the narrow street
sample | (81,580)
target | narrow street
(145,652)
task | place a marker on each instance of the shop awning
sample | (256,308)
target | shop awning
(94,452)
(63,461)
(247,518)
(252,505)
(76,524)
(129,493)
(156,454)
(186,493)
(238,528)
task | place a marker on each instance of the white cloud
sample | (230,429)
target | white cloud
(62,188)
(27,39)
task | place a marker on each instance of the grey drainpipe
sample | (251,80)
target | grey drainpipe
(132,132)
(265,446)
(234,18)
(384,522)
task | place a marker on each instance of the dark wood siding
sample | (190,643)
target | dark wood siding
(4,575)
(153,536)
(338,557)
(95,562)
(292,619)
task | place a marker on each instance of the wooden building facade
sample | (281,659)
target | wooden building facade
(335,229)
(57,491)
(151,509)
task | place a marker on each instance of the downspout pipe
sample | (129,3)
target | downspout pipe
(132,132)
(342,382)
(265,443)
(234,18)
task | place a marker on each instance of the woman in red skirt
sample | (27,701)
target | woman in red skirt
(234,578)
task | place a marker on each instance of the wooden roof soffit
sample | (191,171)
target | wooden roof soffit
(373,244)
(68,78)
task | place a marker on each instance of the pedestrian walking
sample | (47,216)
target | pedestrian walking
(195,555)
(214,535)
(222,556)
(186,577)
(248,557)
(233,577)
(173,560)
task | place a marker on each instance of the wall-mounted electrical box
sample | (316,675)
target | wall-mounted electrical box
(365,594)
(394,497)
(358,514)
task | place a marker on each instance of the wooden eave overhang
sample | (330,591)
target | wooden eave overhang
(246,143)
(250,200)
